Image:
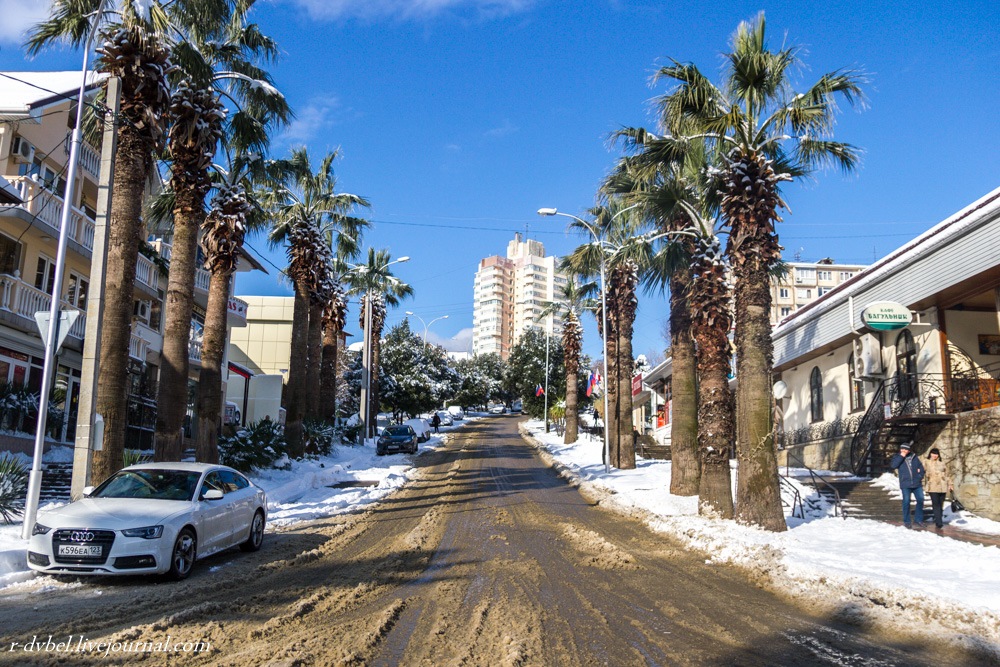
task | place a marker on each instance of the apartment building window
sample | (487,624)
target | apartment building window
(805,275)
(45,274)
(803,293)
(820,291)
(10,255)
(78,288)
(784,293)
(824,275)
(846,275)
(786,311)
(816,395)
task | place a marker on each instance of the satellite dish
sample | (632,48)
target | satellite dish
(780,389)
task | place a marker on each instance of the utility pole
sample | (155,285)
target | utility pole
(83,449)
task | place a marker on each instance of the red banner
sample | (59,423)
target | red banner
(636,384)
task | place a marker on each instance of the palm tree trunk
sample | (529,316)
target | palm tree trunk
(172,392)
(209,408)
(374,399)
(133,161)
(294,396)
(685,470)
(715,423)
(626,442)
(611,384)
(572,402)
(315,366)
(328,376)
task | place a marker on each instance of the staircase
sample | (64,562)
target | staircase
(56,481)
(863,500)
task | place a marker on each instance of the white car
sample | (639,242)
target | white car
(446,418)
(422,428)
(498,409)
(152,518)
(457,413)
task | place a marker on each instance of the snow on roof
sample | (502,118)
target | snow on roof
(949,228)
(24,92)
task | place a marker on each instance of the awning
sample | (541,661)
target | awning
(240,370)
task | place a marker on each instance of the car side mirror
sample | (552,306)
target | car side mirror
(87,490)
(212,494)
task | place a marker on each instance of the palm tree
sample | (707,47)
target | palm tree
(134,49)
(627,253)
(304,204)
(644,179)
(575,298)
(765,133)
(334,320)
(379,288)
(216,58)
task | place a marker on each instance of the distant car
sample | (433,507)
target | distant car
(398,438)
(421,427)
(446,418)
(457,413)
(152,518)
(498,409)
(516,407)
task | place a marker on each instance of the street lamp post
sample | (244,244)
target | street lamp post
(52,337)
(548,330)
(427,325)
(604,312)
(366,353)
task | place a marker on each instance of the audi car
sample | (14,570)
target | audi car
(153,518)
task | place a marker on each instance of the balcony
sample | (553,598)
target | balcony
(138,347)
(194,350)
(21,300)
(201,276)
(46,208)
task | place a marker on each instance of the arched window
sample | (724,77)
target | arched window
(816,395)
(906,366)
(856,387)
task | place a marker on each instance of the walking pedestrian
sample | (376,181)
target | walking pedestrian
(911,477)
(436,422)
(938,483)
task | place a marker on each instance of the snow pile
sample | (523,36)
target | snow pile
(873,568)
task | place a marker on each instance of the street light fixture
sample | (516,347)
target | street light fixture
(427,325)
(366,353)
(604,311)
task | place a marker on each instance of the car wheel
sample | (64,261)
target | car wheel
(256,537)
(183,555)
(379,452)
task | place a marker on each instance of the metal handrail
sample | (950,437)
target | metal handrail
(817,479)
(797,500)
(864,437)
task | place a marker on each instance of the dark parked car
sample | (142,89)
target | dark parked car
(397,438)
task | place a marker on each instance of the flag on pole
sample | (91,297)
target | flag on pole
(539,391)
(593,383)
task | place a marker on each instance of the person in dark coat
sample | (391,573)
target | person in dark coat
(911,479)
(436,422)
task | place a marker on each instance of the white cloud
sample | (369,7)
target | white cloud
(18,16)
(460,342)
(409,9)
(503,130)
(318,115)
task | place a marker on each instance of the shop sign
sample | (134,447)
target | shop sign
(886,316)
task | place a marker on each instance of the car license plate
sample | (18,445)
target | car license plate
(91,550)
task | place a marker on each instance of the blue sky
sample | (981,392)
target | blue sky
(458,119)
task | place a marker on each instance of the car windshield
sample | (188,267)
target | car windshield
(157,484)
(398,430)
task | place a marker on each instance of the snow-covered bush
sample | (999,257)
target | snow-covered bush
(16,405)
(134,457)
(259,445)
(320,437)
(13,485)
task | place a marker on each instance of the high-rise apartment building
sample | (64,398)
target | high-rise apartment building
(806,282)
(509,294)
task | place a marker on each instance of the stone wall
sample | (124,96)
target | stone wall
(970,445)
(829,454)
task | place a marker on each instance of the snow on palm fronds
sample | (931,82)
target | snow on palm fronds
(13,486)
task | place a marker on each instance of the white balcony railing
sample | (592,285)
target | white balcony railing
(145,272)
(201,276)
(20,298)
(138,347)
(46,207)
(194,350)
(201,279)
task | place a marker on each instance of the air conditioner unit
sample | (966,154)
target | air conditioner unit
(141,311)
(23,151)
(868,356)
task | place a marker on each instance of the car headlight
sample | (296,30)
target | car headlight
(39,529)
(147,533)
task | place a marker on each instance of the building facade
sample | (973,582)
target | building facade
(34,151)
(853,391)
(509,294)
(806,282)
